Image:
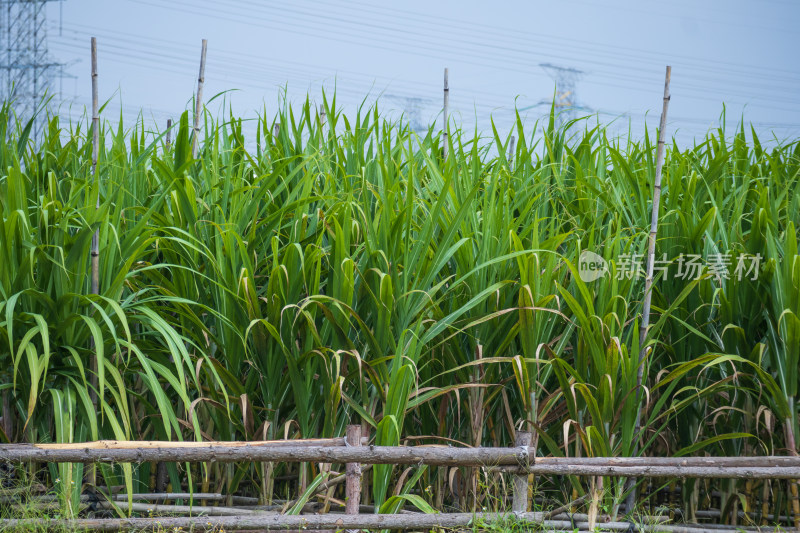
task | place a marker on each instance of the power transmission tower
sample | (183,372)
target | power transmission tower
(412,109)
(566,101)
(26,67)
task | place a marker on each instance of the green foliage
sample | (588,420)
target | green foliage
(328,275)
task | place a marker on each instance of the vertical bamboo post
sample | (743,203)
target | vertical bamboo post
(169,134)
(648,284)
(476,397)
(445,113)
(95,251)
(322,120)
(520,501)
(8,418)
(794,493)
(365,477)
(198,103)
(353,473)
(511,152)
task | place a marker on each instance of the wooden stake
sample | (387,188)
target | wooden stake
(648,284)
(445,114)
(353,473)
(520,502)
(198,104)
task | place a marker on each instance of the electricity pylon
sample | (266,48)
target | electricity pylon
(26,67)
(566,101)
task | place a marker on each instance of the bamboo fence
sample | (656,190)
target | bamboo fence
(353,451)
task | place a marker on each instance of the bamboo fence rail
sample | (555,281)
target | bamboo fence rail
(353,452)
(342,521)
(516,459)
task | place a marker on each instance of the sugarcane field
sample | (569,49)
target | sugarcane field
(309,297)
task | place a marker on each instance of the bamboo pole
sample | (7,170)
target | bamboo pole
(8,417)
(315,522)
(794,493)
(648,284)
(651,242)
(353,473)
(340,521)
(716,513)
(159,508)
(477,422)
(511,152)
(147,497)
(580,518)
(763,461)
(150,508)
(785,467)
(156,444)
(95,252)
(162,477)
(445,114)
(520,500)
(365,470)
(202,452)
(316,507)
(91,473)
(198,103)
(705,472)
(169,134)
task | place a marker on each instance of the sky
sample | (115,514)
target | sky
(740,54)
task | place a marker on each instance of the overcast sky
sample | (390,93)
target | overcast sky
(741,53)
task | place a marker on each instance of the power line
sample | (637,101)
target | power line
(379,38)
(252,74)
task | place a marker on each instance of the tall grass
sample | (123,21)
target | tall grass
(288,285)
